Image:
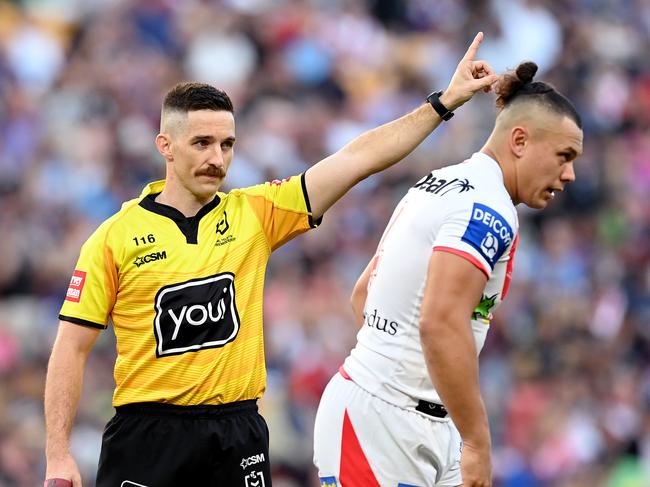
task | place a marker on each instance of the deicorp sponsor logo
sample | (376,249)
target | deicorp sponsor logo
(196,314)
(488,232)
(152,257)
(77,282)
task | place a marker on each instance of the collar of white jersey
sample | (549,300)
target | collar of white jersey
(492,163)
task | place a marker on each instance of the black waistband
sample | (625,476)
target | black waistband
(203,410)
(432,409)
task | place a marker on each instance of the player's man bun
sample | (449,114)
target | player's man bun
(526,71)
(521,79)
(518,85)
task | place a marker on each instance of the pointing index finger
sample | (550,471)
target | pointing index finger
(473,47)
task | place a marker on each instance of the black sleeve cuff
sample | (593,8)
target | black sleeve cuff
(312,223)
(79,321)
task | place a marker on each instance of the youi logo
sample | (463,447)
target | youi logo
(196,314)
(488,232)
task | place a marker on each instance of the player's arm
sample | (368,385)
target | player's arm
(62,390)
(380,148)
(453,289)
(360,292)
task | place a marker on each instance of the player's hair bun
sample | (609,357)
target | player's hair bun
(526,71)
(511,83)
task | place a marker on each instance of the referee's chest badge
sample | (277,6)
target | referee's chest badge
(222,229)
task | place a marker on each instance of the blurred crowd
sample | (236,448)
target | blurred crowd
(566,368)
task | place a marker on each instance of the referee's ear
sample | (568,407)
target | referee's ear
(164,146)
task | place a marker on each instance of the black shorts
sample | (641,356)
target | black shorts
(163,445)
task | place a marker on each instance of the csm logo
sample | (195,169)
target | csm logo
(252,460)
(255,479)
(196,314)
(152,257)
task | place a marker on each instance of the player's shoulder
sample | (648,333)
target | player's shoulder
(269,187)
(124,218)
(460,188)
(464,181)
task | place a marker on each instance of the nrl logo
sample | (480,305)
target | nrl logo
(223,225)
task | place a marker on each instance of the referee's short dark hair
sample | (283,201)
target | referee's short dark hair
(190,96)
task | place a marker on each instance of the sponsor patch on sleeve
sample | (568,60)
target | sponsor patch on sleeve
(488,232)
(328,482)
(76,286)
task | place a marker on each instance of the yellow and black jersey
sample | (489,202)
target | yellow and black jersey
(185,294)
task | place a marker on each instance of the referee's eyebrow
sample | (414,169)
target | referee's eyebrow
(211,138)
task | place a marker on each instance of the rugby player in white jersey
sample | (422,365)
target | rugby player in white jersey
(405,408)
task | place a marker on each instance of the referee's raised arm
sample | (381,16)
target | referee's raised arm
(381,147)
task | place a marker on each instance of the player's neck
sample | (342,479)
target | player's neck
(508,168)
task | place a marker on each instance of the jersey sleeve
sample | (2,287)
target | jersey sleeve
(282,208)
(477,232)
(93,286)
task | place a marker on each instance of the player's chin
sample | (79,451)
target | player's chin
(538,203)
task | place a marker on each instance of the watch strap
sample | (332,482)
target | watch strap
(441,110)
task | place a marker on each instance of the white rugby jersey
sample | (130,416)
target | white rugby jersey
(464,209)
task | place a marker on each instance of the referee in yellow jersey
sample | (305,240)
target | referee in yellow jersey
(179,271)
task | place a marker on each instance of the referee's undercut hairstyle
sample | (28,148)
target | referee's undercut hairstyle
(187,97)
(518,87)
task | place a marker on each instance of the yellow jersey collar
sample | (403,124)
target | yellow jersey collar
(153,188)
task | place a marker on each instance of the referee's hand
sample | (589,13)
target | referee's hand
(475,466)
(64,468)
(471,75)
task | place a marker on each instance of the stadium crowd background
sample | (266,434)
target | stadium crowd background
(566,369)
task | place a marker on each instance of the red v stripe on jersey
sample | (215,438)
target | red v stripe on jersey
(511,263)
(355,469)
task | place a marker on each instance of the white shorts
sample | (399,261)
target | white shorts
(363,441)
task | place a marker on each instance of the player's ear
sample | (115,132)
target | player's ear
(164,146)
(518,141)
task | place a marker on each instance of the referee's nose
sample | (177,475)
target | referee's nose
(216,158)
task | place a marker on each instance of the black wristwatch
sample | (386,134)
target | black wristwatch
(434,101)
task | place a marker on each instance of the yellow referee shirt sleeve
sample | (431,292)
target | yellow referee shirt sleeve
(282,208)
(93,286)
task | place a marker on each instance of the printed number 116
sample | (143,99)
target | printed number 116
(149,238)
